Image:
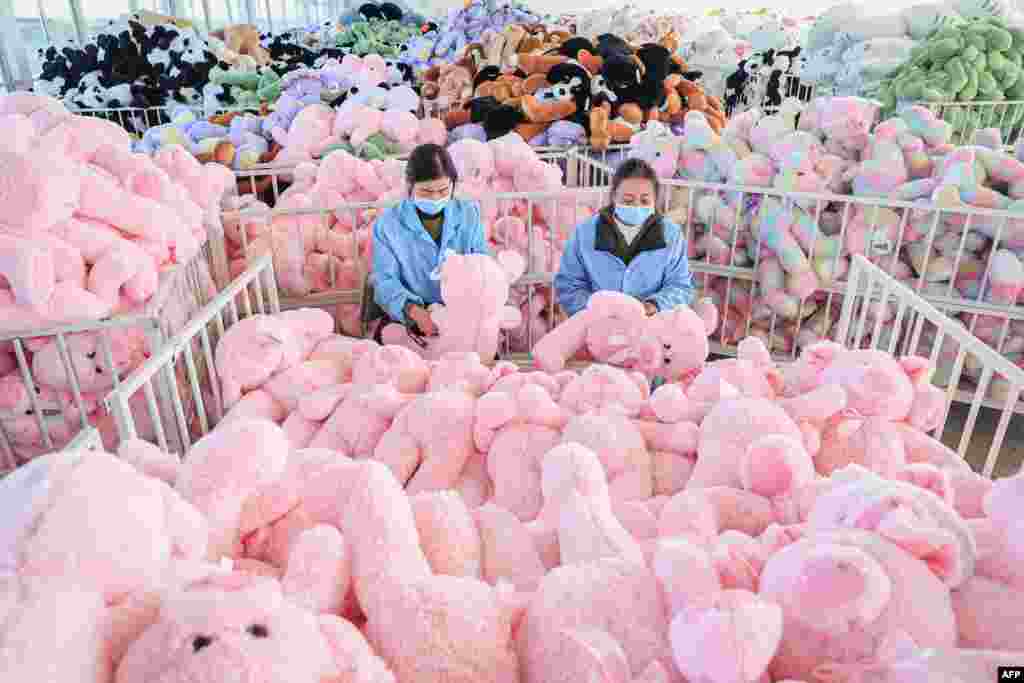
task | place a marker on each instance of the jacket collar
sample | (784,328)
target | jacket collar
(650,238)
(410,219)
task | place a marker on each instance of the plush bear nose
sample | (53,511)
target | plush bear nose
(200,643)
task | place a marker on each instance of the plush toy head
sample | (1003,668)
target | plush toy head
(244,627)
(676,345)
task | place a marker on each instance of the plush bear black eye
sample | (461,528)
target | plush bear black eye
(90,355)
(668,347)
(201,642)
(258,631)
(30,412)
(39,390)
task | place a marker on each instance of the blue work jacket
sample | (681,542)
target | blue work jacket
(659,272)
(406,258)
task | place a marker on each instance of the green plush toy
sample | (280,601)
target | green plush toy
(377,148)
(979,61)
(268,88)
(246,80)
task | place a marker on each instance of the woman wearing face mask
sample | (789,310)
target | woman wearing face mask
(409,239)
(627,248)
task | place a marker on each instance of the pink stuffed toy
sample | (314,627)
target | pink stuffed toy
(854,603)
(353,417)
(615,329)
(237,625)
(256,348)
(891,403)
(423,454)
(989,602)
(474,288)
(427,627)
(67,519)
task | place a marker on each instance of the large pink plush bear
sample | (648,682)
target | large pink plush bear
(351,418)
(427,627)
(255,349)
(241,626)
(474,288)
(891,404)
(867,579)
(80,577)
(614,328)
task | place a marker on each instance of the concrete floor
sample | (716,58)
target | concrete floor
(1010,456)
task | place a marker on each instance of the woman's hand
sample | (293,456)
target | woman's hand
(651,308)
(421,316)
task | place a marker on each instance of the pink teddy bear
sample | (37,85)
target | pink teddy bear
(474,288)
(240,624)
(67,520)
(614,328)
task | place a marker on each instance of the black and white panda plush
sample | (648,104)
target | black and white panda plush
(764,79)
(128,64)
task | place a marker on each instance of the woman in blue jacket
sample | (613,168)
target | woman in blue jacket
(410,238)
(627,248)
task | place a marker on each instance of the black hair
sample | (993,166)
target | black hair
(430,162)
(635,168)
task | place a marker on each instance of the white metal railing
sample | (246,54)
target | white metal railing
(870,284)
(257,291)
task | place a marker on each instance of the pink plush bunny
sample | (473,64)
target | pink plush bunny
(474,288)
(242,624)
(67,520)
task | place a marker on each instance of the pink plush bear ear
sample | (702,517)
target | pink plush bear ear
(513,264)
(775,466)
(734,641)
(150,460)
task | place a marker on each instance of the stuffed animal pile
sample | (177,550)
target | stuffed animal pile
(854,49)
(799,249)
(414,521)
(976,60)
(765,79)
(331,249)
(129,64)
(91,231)
(565,90)
(465,26)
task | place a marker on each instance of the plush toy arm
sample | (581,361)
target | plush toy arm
(187,527)
(818,405)
(493,411)
(551,351)
(318,575)
(150,460)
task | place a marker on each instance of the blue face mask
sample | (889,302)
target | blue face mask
(633,215)
(430,207)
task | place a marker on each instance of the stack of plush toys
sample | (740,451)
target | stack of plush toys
(800,248)
(91,231)
(554,88)
(363,514)
(326,250)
